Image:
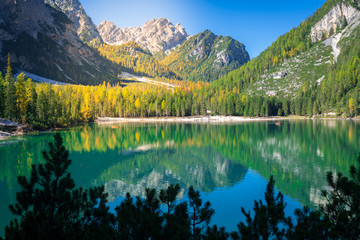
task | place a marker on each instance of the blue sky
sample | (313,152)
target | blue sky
(256,23)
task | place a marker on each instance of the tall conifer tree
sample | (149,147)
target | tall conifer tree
(10,100)
(2,95)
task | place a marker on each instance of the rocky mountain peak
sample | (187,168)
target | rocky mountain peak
(110,26)
(339,16)
(155,35)
(73,9)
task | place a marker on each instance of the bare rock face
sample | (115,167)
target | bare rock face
(43,41)
(338,16)
(73,9)
(34,17)
(154,35)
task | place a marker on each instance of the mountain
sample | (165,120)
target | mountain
(155,35)
(136,60)
(203,57)
(43,41)
(206,56)
(73,9)
(315,66)
(326,35)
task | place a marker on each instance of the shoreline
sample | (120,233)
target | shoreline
(6,135)
(198,119)
(209,119)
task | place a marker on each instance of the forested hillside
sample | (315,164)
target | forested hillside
(205,57)
(44,105)
(285,47)
(337,89)
(134,59)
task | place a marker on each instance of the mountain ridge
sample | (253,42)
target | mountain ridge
(136,60)
(155,35)
(43,41)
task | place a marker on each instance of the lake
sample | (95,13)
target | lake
(229,163)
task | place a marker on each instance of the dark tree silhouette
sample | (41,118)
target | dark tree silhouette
(168,197)
(215,233)
(343,204)
(267,217)
(177,223)
(140,218)
(50,207)
(200,215)
(310,225)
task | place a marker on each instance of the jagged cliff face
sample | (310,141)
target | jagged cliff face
(337,24)
(155,35)
(339,16)
(73,9)
(43,41)
(206,56)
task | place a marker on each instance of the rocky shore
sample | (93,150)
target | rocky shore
(9,128)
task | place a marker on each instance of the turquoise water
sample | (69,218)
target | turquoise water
(229,163)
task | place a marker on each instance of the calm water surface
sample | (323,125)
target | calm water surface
(229,164)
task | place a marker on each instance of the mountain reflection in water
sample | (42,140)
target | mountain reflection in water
(209,157)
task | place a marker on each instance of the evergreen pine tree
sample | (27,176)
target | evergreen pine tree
(10,100)
(268,217)
(139,219)
(215,233)
(21,97)
(49,205)
(31,98)
(42,108)
(309,109)
(315,108)
(2,95)
(285,107)
(177,224)
(310,225)
(200,214)
(343,204)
